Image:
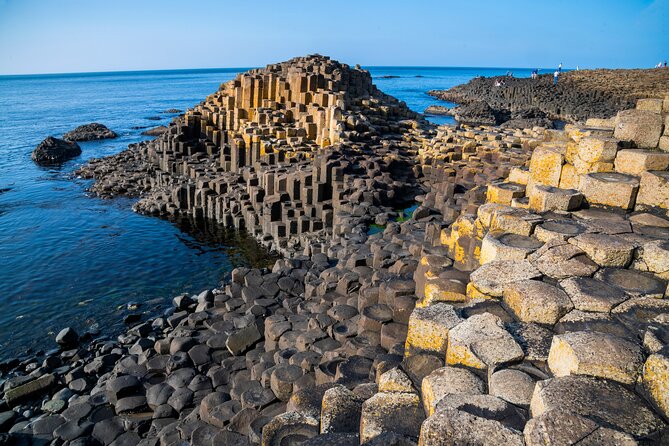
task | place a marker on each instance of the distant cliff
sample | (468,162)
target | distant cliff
(579,94)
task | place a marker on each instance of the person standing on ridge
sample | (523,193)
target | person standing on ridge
(555,76)
(560,68)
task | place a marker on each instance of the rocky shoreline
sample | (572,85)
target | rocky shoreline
(524,301)
(579,95)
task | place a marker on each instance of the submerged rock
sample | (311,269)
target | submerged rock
(53,151)
(90,132)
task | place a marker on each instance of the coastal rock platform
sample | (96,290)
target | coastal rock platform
(579,95)
(523,300)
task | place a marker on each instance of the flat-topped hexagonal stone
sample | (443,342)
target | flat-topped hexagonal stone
(429,326)
(610,189)
(635,161)
(283,378)
(577,320)
(485,406)
(634,283)
(455,427)
(374,316)
(588,294)
(548,198)
(480,342)
(654,189)
(558,260)
(656,379)
(513,386)
(604,249)
(503,193)
(534,339)
(606,402)
(391,412)
(647,219)
(289,428)
(507,247)
(492,278)
(602,221)
(446,381)
(505,219)
(535,301)
(558,229)
(595,354)
(558,426)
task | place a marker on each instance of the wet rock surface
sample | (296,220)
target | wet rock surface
(411,334)
(54,151)
(90,132)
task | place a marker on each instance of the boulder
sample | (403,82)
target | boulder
(53,151)
(67,337)
(642,127)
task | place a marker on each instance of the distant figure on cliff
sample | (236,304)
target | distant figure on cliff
(535,73)
(509,74)
(560,68)
(555,76)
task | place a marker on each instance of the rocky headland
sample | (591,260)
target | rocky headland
(579,95)
(523,302)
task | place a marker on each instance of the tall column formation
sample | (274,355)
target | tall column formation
(278,151)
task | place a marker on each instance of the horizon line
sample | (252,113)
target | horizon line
(240,69)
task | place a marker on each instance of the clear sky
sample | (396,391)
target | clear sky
(55,36)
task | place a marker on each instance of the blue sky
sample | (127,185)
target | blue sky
(54,36)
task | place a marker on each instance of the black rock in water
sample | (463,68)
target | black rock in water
(173,110)
(67,337)
(90,132)
(155,131)
(53,151)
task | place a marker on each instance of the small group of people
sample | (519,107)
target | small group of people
(661,64)
(499,83)
(535,73)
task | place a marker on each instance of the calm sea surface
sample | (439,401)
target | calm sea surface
(69,259)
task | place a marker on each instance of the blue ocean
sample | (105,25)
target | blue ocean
(70,259)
